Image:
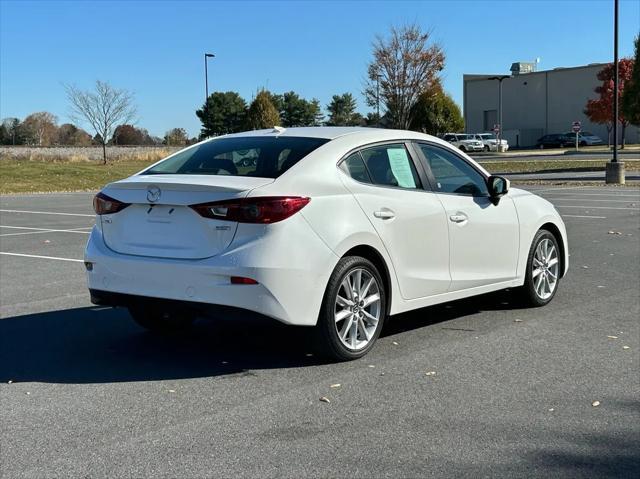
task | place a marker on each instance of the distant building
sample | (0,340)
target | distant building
(535,103)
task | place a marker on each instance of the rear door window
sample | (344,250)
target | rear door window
(391,165)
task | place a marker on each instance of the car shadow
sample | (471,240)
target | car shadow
(98,344)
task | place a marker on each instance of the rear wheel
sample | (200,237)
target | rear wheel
(486,147)
(353,310)
(543,270)
(159,319)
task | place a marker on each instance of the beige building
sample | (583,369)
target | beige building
(534,103)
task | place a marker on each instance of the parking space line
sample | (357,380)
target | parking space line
(588,207)
(46,213)
(584,216)
(585,199)
(33,231)
(42,257)
(593,194)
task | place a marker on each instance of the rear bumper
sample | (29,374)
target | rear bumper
(291,265)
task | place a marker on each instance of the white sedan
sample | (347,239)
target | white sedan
(331,228)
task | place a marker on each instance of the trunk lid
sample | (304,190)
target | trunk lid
(159,222)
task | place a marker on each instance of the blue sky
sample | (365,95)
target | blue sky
(316,48)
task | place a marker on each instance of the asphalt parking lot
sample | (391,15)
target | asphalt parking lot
(85,392)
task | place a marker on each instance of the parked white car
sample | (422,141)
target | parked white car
(331,228)
(490,141)
(464,142)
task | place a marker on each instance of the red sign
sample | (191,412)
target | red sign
(496,128)
(576,126)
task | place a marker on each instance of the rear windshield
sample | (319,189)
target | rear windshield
(265,157)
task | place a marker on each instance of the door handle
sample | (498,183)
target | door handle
(459,218)
(385,214)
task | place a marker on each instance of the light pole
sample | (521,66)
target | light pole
(499,78)
(615,169)
(206,76)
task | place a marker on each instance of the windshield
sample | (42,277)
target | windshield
(265,157)
(488,136)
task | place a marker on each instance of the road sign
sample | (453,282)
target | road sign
(496,128)
(576,126)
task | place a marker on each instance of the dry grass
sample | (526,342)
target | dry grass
(77,154)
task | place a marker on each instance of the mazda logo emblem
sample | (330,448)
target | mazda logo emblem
(153,194)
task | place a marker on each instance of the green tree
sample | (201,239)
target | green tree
(404,66)
(224,112)
(296,111)
(631,95)
(176,137)
(342,111)
(436,113)
(262,112)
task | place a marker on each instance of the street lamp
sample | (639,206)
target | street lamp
(499,78)
(615,169)
(206,76)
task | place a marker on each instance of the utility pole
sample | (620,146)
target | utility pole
(615,169)
(499,78)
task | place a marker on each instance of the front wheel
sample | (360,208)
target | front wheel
(353,310)
(486,148)
(157,319)
(543,270)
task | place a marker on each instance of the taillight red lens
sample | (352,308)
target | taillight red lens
(105,205)
(266,209)
(242,280)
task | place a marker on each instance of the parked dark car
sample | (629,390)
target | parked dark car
(557,140)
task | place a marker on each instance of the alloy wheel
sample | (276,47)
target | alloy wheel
(357,309)
(545,269)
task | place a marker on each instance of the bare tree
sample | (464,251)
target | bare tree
(103,109)
(40,128)
(403,67)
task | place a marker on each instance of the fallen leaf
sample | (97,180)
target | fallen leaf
(595,403)
(600,286)
(10,381)
(625,347)
(172,390)
(224,362)
(611,232)
(430,373)
(618,233)
(371,366)
(28,393)
(336,385)
(46,241)
(325,399)
(612,337)
(517,320)
(585,267)
(395,343)
(551,409)
(308,355)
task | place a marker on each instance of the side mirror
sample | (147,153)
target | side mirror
(498,186)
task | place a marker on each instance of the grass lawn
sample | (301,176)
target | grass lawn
(18,176)
(29,176)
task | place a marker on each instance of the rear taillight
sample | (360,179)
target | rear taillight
(105,205)
(266,209)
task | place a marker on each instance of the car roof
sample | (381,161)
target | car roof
(355,133)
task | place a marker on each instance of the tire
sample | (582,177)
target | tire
(583,143)
(462,148)
(486,148)
(535,292)
(159,319)
(541,146)
(345,339)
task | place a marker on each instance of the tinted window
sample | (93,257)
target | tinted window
(452,173)
(266,157)
(390,165)
(353,165)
